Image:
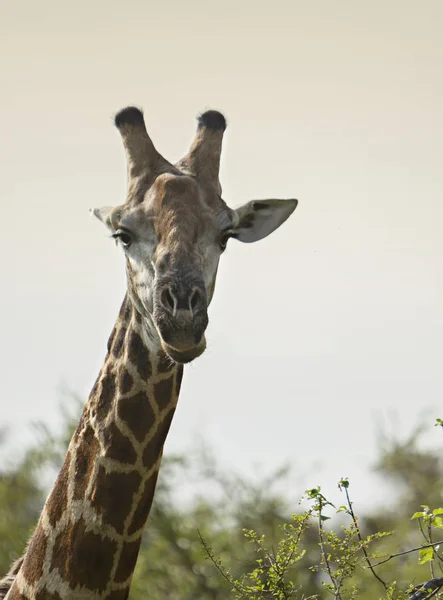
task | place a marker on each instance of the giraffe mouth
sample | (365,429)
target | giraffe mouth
(185,355)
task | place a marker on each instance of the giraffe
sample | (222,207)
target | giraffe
(173,228)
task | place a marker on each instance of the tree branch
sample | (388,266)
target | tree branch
(357,528)
(212,558)
(325,557)
(407,552)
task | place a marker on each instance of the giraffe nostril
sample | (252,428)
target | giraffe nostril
(195,300)
(167,299)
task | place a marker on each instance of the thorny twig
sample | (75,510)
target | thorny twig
(354,519)
(324,555)
(211,557)
(407,552)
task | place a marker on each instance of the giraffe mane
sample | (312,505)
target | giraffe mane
(9,578)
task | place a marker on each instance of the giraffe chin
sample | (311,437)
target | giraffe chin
(185,355)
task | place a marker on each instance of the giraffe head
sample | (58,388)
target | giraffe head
(173,228)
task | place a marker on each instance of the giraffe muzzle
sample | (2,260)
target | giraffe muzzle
(181,318)
(185,355)
(182,337)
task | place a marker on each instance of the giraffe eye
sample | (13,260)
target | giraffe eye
(124,237)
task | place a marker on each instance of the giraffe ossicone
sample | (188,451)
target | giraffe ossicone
(173,228)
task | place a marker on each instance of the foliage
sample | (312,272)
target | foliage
(319,551)
(346,558)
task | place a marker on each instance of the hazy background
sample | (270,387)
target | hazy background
(320,334)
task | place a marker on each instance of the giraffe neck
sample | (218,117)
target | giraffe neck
(86,543)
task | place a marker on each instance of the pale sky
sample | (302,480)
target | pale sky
(317,334)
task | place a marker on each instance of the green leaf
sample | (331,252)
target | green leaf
(438,522)
(313,492)
(437,511)
(425,555)
(418,515)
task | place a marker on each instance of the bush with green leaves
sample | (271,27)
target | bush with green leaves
(346,559)
(349,563)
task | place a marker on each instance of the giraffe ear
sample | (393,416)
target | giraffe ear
(105,215)
(258,218)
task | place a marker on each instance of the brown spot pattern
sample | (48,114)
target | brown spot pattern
(84,419)
(111,338)
(178,380)
(118,595)
(139,356)
(144,505)
(89,560)
(32,567)
(87,451)
(119,342)
(117,445)
(58,500)
(125,310)
(137,413)
(113,494)
(163,392)
(95,386)
(106,395)
(128,558)
(154,447)
(125,381)
(45,595)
